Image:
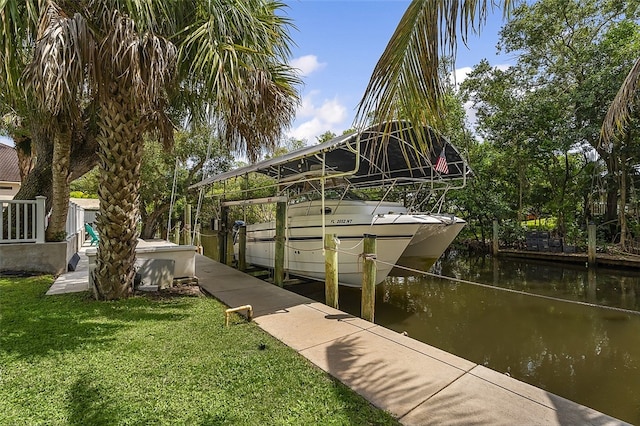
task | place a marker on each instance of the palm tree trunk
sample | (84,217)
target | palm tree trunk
(120,156)
(56,231)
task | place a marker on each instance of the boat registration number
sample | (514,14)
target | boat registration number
(341,220)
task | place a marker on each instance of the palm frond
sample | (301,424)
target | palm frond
(255,114)
(144,63)
(18,28)
(234,58)
(63,51)
(620,109)
(405,83)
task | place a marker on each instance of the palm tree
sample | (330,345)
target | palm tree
(132,60)
(231,60)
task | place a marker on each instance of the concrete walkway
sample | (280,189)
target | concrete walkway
(417,383)
(74,281)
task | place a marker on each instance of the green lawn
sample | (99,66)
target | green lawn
(68,359)
(542,224)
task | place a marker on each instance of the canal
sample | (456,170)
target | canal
(568,329)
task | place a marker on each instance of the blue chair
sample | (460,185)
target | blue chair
(94,236)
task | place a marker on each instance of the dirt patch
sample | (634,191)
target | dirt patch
(180,290)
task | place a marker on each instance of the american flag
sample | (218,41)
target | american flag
(441,164)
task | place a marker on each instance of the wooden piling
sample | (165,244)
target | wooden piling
(187,225)
(281,218)
(242,248)
(495,241)
(229,250)
(222,234)
(368,278)
(176,233)
(331,271)
(591,243)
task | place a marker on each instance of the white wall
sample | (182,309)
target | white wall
(8,190)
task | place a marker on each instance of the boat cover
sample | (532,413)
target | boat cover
(388,153)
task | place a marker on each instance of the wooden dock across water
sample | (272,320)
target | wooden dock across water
(417,383)
(606,260)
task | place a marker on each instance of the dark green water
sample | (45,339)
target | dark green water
(588,354)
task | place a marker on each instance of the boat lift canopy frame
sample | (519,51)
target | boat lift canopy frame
(382,155)
(379,155)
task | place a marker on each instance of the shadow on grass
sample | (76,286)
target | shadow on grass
(88,405)
(218,420)
(34,325)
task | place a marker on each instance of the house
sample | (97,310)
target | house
(9,172)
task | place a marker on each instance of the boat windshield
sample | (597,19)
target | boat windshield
(331,194)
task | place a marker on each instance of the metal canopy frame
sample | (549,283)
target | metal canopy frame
(384,154)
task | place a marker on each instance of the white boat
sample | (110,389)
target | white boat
(397,232)
(319,184)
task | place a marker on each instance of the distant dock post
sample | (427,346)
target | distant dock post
(331,271)
(368,278)
(187,225)
(176,233)
(591,243)
(495,241)
(229,249)
(242,248)
(222,234)
(281,219)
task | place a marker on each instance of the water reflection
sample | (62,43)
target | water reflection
(588,354)
(609,287)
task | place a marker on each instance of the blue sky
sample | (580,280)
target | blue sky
(338,43)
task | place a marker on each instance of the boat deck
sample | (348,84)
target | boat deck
(417,383)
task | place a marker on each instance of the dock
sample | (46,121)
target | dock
(602,259)
(417,383)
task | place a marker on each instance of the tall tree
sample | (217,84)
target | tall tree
(187,161)
(549,106)
(57,77)
(575,50)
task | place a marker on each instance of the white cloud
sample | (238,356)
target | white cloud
(307,64)
(471,114)
(314,119)
(459,75)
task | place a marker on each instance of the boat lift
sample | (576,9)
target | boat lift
(380,155)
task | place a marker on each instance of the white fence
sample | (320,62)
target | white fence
(75,219)
(24,221)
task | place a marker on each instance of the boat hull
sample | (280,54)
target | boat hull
(432,239)
(349,221)
(428,245)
